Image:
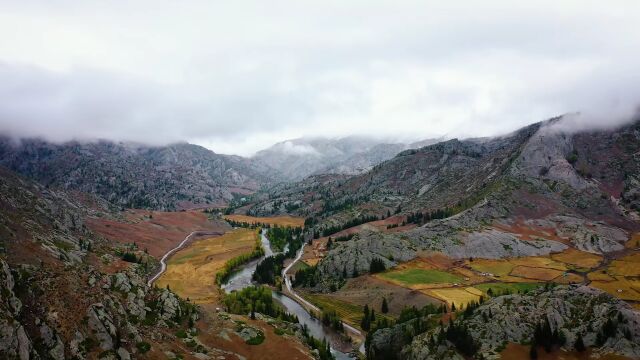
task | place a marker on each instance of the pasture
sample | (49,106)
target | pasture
(272,220)
(191,271)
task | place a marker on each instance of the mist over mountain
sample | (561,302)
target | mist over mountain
(298,158)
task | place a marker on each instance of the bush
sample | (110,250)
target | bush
(257,340)
(143,347)
(376,266)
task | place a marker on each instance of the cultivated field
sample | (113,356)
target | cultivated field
(275,220)
(370,290)
(191,271)
(578,259)
(627,266)
(421,276)
(500,288)
(623,288)
(458,296)
(348,312)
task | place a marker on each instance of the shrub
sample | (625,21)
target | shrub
(143,346)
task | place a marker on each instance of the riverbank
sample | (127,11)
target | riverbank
(191,271)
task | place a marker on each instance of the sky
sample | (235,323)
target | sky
(238,76)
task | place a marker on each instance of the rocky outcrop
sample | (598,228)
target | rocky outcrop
(102,326)
(14,341)
(169,305)
(546,155)
(440,236)
(571,310)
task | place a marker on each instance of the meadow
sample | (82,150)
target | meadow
(273,220)
(191,271)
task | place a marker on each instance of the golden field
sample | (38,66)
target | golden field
(274,220)
(191,271)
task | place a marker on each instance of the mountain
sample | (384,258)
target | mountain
(177,176)
(477,197)
(298,158)
(74,290)
(510,318)
(455,219)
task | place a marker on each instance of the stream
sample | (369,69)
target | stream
(242,278)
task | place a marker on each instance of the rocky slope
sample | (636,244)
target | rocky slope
(570,310)
(532,192)
(64,292)
(68,293)
(298,158)
(168,177)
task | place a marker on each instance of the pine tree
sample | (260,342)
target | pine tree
(384,308)
(579,344)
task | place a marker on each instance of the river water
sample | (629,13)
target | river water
(242,278)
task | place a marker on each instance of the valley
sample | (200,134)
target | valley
(480,248)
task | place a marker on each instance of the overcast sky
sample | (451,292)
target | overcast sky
(237,76)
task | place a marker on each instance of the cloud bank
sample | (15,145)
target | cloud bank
(239,77)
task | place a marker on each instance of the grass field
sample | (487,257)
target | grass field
(458,296)
(578,258)
(630,288)
(512,288)
(634,242)
(275,220)
(600,276)
(421,276)
(348,312)
(627,266)
(300,265)
(535,273)
(191,271)
(496,267)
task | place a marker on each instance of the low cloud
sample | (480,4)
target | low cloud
(240,78)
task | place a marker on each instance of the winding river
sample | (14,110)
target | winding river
(242,278)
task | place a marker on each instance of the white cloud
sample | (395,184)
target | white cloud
(239,76)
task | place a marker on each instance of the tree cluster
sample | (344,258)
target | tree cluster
(254,299)
(376,265)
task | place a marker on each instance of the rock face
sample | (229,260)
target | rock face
(14,341)
(565,188)
(571,310)
(55,304)
(170,177)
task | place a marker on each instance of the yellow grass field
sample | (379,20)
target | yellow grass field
(535,273)
(634,242)
(539,262)
(627,266)
(578,258)
(191,271)
(459,296)
(496,267)
(275,220)
(630,288)
(599,276)
(350,313)
(569,279)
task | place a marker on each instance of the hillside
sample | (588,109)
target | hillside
(298,158)
(577,311)
(179,176)
(70,293)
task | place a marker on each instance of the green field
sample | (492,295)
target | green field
(500,288)
(422,276)
(300,265)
